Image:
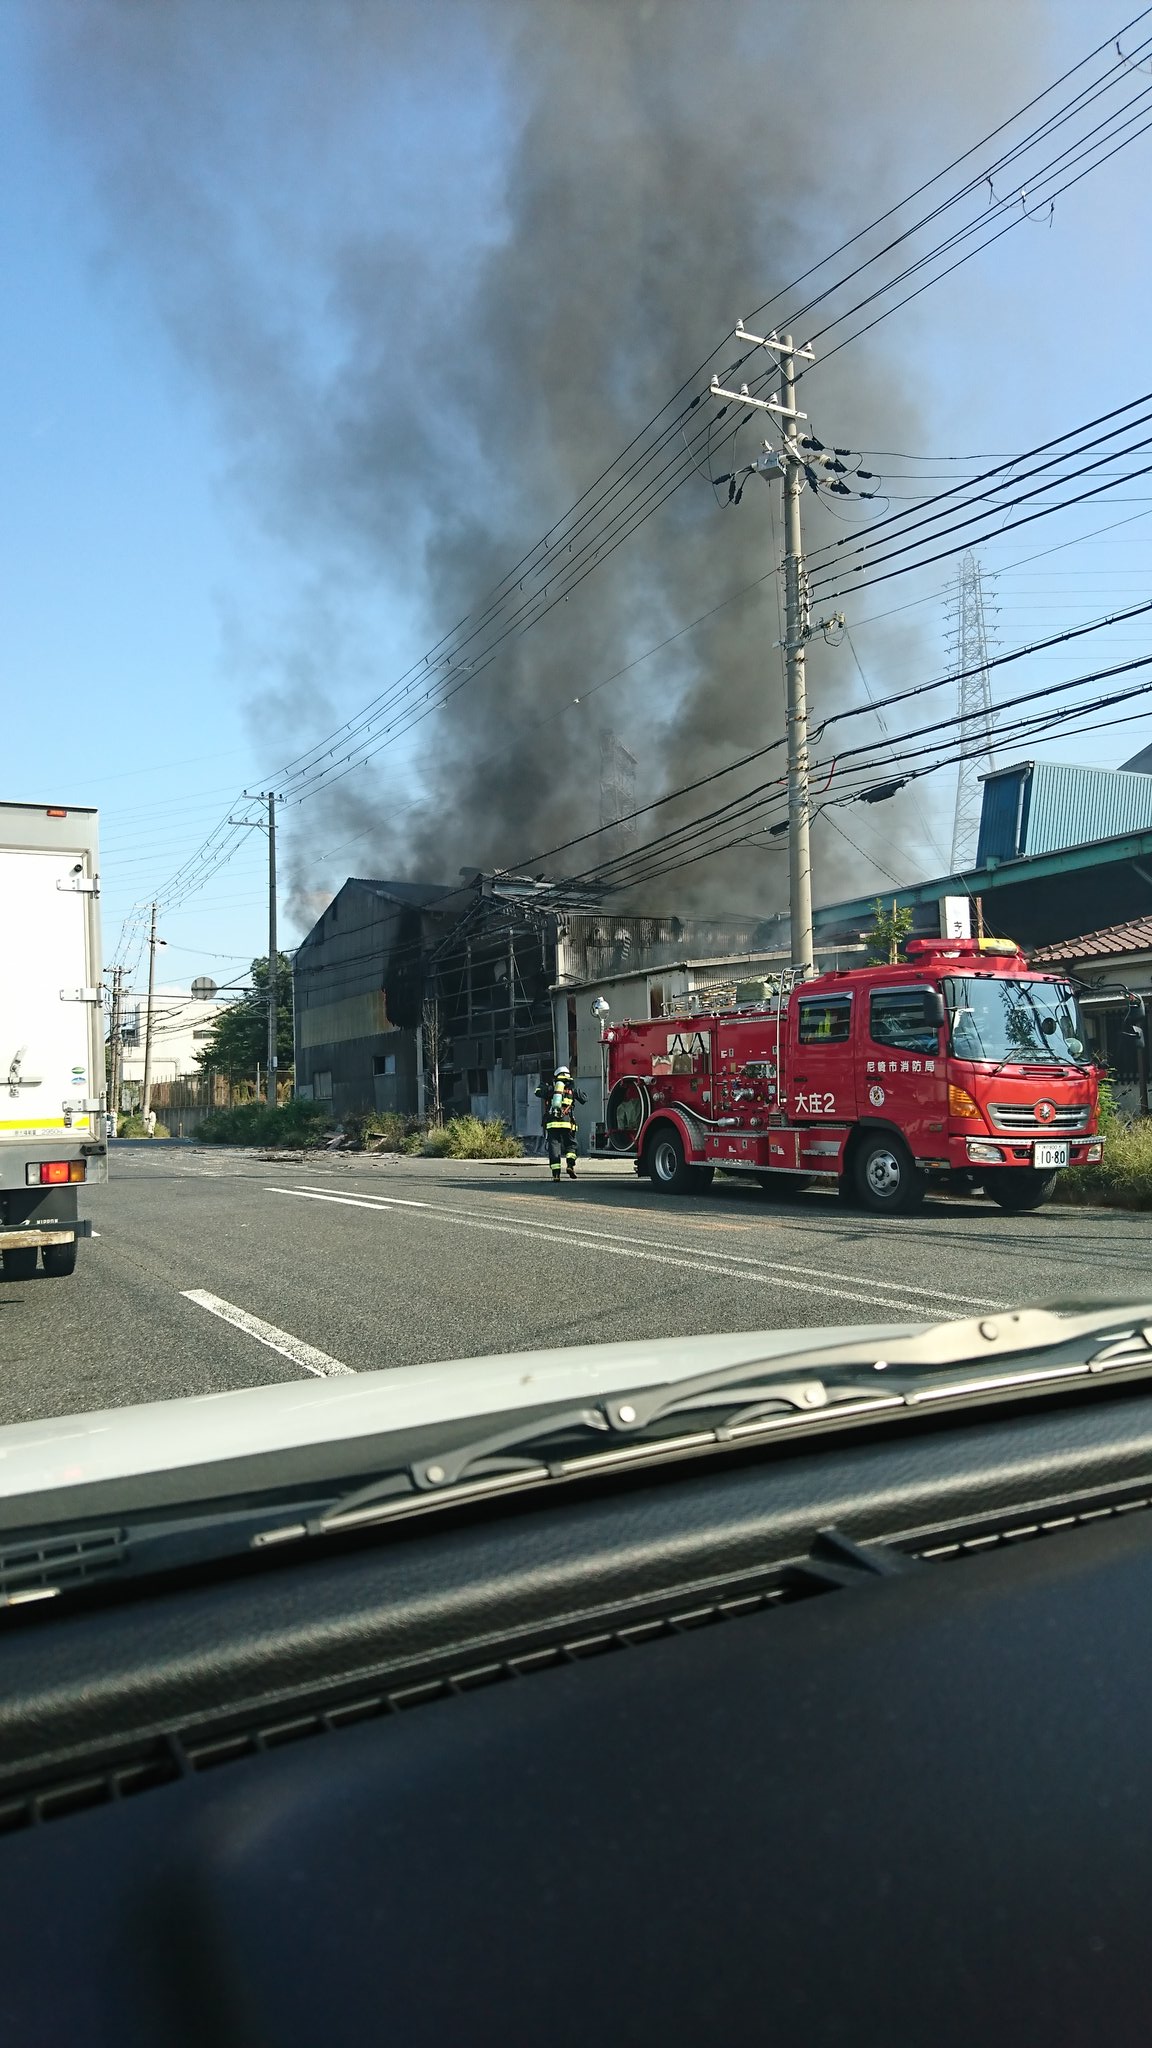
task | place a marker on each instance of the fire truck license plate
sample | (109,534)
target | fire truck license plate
(1050,1155)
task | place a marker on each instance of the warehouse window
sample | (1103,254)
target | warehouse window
(825,1020)
(322,1087)
(384,1063)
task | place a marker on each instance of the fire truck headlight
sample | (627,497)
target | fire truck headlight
(984,1155)
(960,1103)
(1094,1153)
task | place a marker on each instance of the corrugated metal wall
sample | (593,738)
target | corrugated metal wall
(1044,806)
(1073,805)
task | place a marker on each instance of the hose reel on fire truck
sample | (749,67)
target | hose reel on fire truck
(628,1107)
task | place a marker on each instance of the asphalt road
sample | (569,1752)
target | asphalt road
(213,1270)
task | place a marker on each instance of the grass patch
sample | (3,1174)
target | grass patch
(294,1125)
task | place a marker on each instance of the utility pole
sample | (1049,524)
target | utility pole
(114,1051)
(790,464)
(268,825)
(152,944)
(273,954)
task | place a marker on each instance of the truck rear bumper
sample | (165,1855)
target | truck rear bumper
(15,1240)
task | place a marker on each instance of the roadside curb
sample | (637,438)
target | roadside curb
(1081,1200)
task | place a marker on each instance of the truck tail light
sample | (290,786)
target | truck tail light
(55,1173)
(960,1103)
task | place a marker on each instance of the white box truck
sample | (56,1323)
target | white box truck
(53,1135)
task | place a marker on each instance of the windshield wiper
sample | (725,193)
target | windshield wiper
(809,1389)
(957,1363)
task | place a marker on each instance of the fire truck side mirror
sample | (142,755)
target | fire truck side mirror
(934,1007)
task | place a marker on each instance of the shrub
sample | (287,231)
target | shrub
(134,1126)
(296,1123)
(472,1137)
(1123,1178)
(380,1130)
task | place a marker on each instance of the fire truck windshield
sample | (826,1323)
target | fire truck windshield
(1004,1018)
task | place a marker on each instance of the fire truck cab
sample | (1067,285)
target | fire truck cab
(958,1064)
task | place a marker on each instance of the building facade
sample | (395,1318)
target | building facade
(358,981)
(1113,972)
(181,1027)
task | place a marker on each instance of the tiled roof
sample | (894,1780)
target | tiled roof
(1134,937)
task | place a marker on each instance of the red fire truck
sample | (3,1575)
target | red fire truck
(958,1065)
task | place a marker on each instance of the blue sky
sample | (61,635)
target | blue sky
(144,600)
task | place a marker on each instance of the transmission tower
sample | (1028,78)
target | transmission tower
(617,796)
(969,640)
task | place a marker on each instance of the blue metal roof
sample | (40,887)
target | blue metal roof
(1043,806)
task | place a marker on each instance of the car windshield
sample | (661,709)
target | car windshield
(1002,1018)
(485,817)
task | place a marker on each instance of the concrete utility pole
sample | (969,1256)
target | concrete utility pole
(790,463)
(273,955)
(153,942)
(268,825)
(114,1049)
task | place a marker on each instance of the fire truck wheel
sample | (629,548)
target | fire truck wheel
(1019,1187)
(668,1168)
(887,1180)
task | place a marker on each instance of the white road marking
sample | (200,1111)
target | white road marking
(580,1231)
(762,1274)
(313,1361)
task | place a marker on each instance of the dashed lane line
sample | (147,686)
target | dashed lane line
(312,1360)
(730,1267)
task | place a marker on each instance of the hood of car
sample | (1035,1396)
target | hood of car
(218,1429)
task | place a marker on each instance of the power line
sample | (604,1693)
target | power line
(625,870)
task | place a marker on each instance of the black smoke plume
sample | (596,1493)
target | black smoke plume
(434,262)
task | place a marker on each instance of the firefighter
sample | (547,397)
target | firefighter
(560,1098)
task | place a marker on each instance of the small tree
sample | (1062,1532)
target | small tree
(889,932)
(239,1041)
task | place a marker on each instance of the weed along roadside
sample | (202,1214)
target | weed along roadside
(300,1125)
(1123,1179)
